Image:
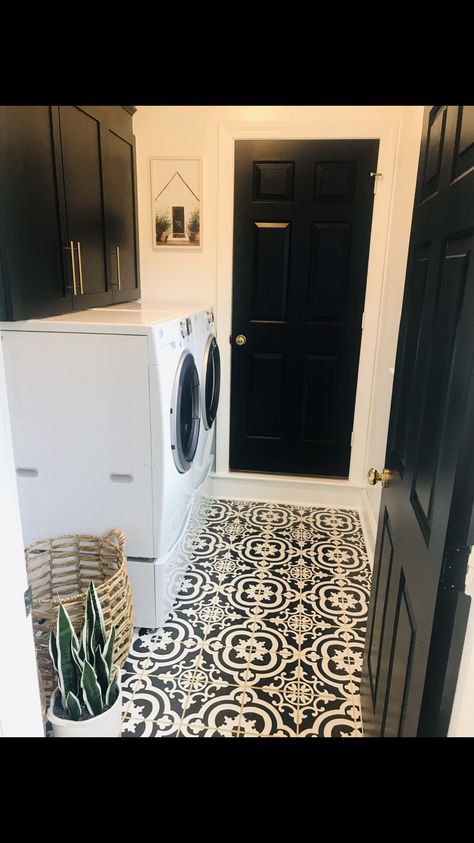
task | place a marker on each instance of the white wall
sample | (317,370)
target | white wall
(462,715)
(20,708)
(206,276)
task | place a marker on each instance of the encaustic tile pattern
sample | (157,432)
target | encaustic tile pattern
(267,634)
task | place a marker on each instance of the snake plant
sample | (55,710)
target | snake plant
(87,678)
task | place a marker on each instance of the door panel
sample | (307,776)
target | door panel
(401,658)
(410,343)
(302,218)
(266,378)
(82,166)
(121,217)
(427,453)
(464,145)
(381,587)
(329,265)
(272,246)
(32,260)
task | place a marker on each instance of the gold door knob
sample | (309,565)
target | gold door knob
(375,477)
(240,339)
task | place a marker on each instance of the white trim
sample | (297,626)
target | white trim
(387,131)
(369,525)
(283,489)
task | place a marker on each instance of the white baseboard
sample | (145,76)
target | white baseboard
(369,525)
(282,489)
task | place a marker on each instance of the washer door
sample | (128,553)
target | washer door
(185,413)
(210,382)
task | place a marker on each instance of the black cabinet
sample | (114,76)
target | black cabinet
(83,192)
(33,264)
(121,216)
(68,221)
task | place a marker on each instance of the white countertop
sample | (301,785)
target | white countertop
(130,317)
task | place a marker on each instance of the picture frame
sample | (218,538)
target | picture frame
(176,203)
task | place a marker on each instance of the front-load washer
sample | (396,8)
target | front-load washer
(105,418)
(208,363)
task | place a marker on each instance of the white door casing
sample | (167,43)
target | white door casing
(388,131)
(20,706)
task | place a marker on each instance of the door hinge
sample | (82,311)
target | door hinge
(454,567)
(28,595)
(362,321)
(352,438)
(230,338)
(376,176)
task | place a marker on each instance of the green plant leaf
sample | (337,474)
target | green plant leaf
(74,708)
(53,650)
(112,691)
(67,671)
(90,619)
(91,690)
(99,625)
(102,671)
(108,651)
(84,649)
(77,657)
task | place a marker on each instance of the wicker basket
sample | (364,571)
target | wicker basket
(59,570)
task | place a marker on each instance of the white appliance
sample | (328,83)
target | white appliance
(104,407)
(206,352)
(207,357)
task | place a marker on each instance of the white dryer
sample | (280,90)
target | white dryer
(105,417)
(207,356)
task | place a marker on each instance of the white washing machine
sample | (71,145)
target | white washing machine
(207,356)
(105,415)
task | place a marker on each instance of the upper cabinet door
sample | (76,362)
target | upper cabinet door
(34,267)
(121,215)
(81,144)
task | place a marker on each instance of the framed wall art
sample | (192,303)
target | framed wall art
(176,193)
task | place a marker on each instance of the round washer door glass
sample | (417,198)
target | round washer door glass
(211,382)
(185,413)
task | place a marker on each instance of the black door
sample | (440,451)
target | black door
(82,168)
(302,218)
(178,221)
(34,273)
(121,216)
(422,529)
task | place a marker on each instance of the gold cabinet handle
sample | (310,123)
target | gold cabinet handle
(118,268)
(80,267)
(375,477)
(240,339)
(74,287)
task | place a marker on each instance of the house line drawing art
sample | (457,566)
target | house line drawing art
(176,201)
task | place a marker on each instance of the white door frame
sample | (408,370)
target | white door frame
(387,131)
(20,706)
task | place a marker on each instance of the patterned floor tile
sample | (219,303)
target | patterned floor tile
(332,719)
(267,713)
(212,710)
(267,634)
(139,728)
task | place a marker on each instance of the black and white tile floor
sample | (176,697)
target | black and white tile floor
(267,635)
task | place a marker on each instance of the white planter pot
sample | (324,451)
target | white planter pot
(106,725)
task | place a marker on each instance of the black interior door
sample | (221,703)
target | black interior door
(82,167)
(33,265)
(429,450)
(302,219)
(120,198)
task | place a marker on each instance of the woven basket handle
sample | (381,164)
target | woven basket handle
(119,535)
